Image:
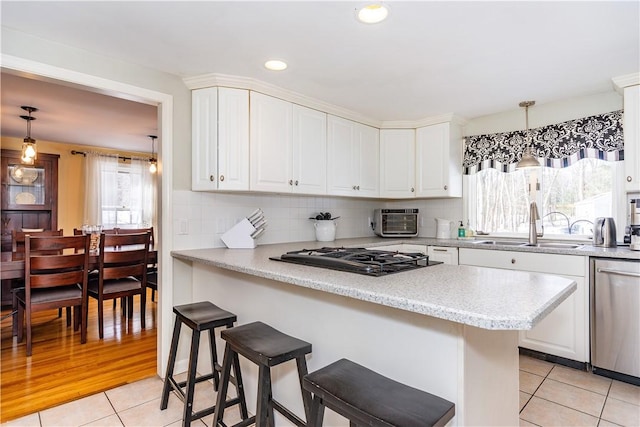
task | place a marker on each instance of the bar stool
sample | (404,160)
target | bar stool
(368,398)
(266,347)
(200,316)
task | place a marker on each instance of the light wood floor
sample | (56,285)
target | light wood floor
(61,369)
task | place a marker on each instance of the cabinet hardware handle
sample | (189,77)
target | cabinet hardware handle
(221,177)
(413,189)
(629,179)
(439,250)
(357,187)
(513,260)
(290,182)
(445,187)
(212,178)
(296,182)
(354,187)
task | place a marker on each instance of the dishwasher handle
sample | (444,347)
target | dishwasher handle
(620,272)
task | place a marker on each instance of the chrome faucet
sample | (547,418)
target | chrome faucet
(533,230)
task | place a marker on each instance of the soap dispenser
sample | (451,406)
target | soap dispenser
(461,231)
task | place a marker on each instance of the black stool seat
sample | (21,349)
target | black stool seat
(266,347)
(204,315)
(199,317)
(368,398)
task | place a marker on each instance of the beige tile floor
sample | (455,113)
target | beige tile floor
(550,395)
(554,395)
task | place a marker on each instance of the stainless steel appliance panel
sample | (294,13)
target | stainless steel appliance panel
(615,304)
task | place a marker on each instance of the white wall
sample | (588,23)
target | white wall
(545,114)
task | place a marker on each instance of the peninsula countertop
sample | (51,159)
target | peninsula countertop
(481,297)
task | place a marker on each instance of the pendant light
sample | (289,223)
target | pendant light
(153,162)
(527,160)
(29,151)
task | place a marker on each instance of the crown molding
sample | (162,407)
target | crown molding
(224,80)
(248,83)
(627,80)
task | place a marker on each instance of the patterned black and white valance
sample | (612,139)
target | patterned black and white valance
(557,146)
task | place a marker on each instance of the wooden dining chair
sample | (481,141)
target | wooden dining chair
(18,237)
(122,272)
(152,269)
(56,276)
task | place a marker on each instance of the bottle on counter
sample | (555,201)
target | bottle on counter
(468,232)
(461,230)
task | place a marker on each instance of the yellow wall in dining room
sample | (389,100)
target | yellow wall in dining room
(70,176)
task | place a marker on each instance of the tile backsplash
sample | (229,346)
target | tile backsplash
(200,218)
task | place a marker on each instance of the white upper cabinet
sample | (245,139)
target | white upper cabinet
(353,158)
(397,163)
(271,143)
(288,147)
(309,151)
(220,149)
(439,161)
(632,138)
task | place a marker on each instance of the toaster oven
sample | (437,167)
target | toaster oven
(395,222)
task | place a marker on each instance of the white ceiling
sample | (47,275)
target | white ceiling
(428,58)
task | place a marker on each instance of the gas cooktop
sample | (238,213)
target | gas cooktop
(371,262)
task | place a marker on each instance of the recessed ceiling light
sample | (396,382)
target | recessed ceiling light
(275,65)
(373,13)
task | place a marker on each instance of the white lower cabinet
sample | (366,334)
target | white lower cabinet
(443,254)
(565,331)
(402,247)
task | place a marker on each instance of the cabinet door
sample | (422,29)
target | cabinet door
(397,163)
(439,161)
(341,157)
(271,144)
(204,128)
(309,151)
(632,138)
(233,139)
(563,332)
(443,254)
(368,161)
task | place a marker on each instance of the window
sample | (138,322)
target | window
(569,198)
(119,193)
(122,203)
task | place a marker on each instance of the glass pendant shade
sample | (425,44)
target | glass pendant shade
(153,162)
(29,151)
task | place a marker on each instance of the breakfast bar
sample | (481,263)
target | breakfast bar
(449,330)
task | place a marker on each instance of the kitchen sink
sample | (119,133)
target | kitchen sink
(499,242)
(552,245)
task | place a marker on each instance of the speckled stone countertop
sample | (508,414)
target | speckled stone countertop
(482,297)
(585,249)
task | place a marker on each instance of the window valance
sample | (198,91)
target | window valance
(558,145)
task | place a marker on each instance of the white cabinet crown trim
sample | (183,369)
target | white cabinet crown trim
(239,82)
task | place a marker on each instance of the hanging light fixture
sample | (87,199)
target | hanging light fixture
(153,162)
(29,152)
(527,160)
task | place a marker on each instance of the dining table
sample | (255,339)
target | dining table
(12,263)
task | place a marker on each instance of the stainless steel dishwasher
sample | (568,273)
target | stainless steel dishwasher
(615,319)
